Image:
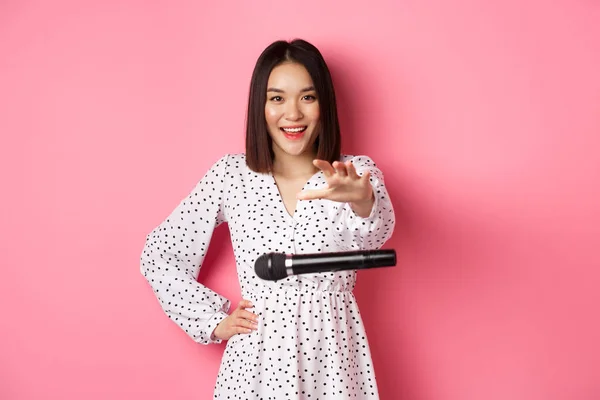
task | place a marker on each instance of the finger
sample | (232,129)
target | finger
(248,315)
(366,176)
(351,170)
(313,194)
(325,167)
(244,323)
(245,304)
(340,168)
(241,329)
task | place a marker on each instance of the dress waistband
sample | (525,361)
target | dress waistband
(293,290)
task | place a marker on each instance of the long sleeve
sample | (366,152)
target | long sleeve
(174,252)
(353,232)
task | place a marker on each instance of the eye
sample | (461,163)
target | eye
(276,98)
(309,97)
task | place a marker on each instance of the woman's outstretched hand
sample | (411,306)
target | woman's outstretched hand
(343,185)
(239,321)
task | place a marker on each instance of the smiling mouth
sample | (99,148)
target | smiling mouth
(295,130)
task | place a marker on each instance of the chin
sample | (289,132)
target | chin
(293,149)
(295,152)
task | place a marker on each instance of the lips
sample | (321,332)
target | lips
(293,132)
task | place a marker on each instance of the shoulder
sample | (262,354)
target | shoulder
(229,161)
(233,165)
(235,161)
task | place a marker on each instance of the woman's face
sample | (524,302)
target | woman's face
(292,109)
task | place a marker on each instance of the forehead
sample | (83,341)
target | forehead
(290,76)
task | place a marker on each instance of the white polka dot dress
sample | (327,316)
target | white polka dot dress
(310,342)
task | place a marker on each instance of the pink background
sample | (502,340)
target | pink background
(484,116)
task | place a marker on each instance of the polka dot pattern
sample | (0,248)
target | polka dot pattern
(310,342)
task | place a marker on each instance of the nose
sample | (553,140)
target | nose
(292,111)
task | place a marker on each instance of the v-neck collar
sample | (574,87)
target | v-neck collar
(291,217)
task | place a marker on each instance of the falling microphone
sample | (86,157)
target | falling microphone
(275,266)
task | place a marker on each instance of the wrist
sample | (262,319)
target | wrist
(213,326)
(363,208)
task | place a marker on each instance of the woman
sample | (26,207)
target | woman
(291,192)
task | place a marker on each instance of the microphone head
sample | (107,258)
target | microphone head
(270,266)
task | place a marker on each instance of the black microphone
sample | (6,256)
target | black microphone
(275,266)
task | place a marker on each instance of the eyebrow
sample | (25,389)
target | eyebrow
(306,89)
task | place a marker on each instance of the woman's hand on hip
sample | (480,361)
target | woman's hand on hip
(239,321)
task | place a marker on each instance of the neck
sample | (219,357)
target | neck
(294,166)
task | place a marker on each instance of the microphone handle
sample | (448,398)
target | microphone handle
(332,262)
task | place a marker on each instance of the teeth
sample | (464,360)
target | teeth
(294,130)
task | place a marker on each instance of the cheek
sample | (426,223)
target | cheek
(271,115)
(313,113)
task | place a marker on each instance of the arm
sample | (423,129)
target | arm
(368,225)
(174,252)
(364,218)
